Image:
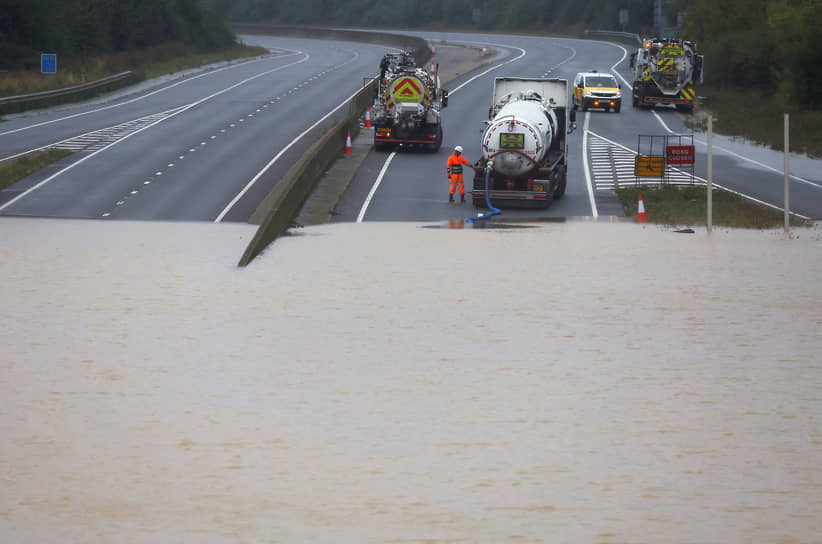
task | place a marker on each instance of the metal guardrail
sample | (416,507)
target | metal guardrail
(33,97)
(614,34)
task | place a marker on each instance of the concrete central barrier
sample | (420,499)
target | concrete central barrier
(280,207)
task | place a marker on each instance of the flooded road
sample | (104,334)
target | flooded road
(566,382)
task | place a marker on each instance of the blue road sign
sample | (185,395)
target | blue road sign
(48,63)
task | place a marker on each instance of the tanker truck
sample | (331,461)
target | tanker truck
(524,144)
(665,72)
(407,104)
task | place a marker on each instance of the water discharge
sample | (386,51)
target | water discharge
(568,382)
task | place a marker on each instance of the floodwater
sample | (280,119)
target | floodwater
(570,382)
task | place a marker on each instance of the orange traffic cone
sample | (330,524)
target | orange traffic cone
(640,210)
(348,150)
(367,118)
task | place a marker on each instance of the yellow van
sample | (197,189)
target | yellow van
(597,90)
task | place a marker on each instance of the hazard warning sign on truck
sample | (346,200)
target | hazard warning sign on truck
(407,89)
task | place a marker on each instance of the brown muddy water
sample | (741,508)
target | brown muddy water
(570,382)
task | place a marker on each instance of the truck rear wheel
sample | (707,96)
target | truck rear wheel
(559,190)
(433,148)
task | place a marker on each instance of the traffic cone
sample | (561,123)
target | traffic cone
(367,117)
(348,149)
(640,210)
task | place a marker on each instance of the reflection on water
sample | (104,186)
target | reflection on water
(570,382)
(488,225)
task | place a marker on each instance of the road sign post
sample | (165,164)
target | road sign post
(710,173)
(787,170)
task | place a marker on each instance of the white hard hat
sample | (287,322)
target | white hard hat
(458,148)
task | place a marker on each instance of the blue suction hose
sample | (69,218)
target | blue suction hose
(492,210)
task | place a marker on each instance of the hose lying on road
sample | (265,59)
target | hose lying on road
(492,211)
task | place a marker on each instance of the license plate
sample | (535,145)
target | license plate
(539,187)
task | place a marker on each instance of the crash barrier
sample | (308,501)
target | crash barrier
(281,206)
(14,104)
(614,34)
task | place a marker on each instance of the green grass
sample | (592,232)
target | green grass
(13,171)
(148,63)
(193,59)
(688,206)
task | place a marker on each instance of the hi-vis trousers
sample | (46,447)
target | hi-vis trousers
(456,182)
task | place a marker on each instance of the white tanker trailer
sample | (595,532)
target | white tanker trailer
(524,144)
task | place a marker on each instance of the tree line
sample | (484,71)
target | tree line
(86,27)
(767,45)
(530,15)
(764,45)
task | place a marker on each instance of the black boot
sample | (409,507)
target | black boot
(462,199)
(451,198)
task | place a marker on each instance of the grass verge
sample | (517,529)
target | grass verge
(688,206)
(150,62)
(13,171)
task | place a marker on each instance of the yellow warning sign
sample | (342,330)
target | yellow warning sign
(649,167)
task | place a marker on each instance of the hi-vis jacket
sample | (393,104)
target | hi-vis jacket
(454,165)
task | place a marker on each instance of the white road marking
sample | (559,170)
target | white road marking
(179,111)
(679,176)
(391,156)
(270,163)
(375,186)
(585,166)
(293,52)
(743,158)
(521,55)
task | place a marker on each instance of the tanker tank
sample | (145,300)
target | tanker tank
(524,144)
(519,135)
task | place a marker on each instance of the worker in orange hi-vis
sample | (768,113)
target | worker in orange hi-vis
(455,179)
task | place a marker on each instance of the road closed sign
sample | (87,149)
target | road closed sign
(679,154)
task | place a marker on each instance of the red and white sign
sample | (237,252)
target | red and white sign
(679,154)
